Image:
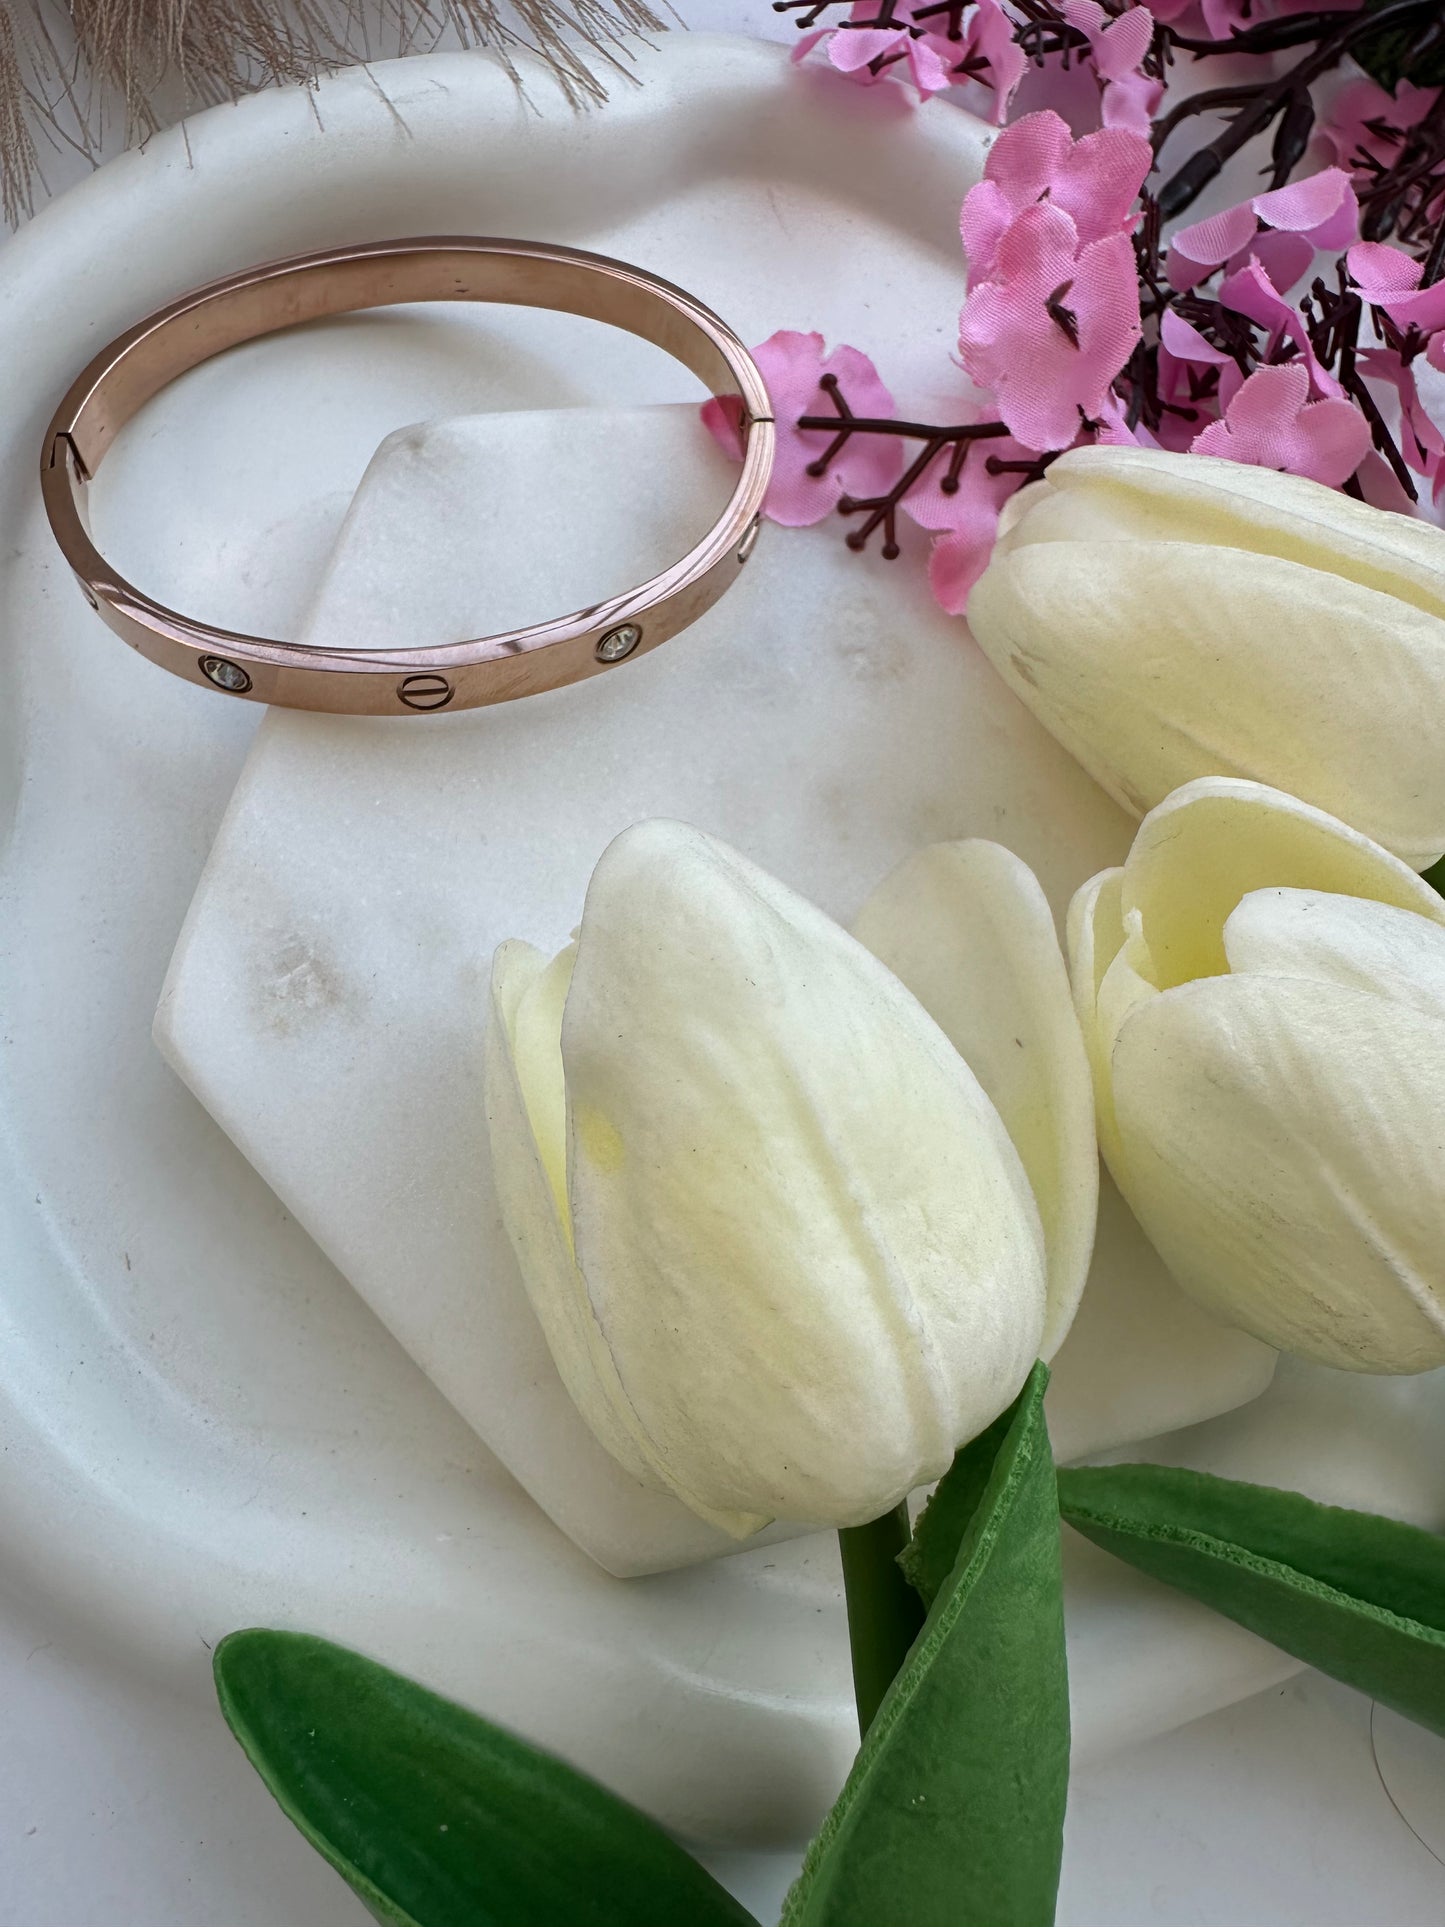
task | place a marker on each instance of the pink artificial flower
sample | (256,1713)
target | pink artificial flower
(1185,356)
(1380,486)
(854,49)
(1421,443)
(989,40)
(1390,279)
(1224,17)
(1113,429)
(1382,273)
(1250,291)
(965,522)
(1182,340)
(1118,44)
(1322,209)
(1272,423)
(792,365)
(1095,181)
(1350,126)
(1286,258)
(1050,331)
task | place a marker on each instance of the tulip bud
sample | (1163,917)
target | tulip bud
(1262,992)
(1168,617)
(782,1247)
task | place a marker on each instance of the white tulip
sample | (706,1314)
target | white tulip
(782,1247)
(1168,617)
(1262,991)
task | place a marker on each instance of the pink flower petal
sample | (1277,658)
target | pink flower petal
(1131,103)
(1099,181)
(1271,423)
(966,522)
(1250,292)
(1087,15)
(982,223)
(1095,181)
(1121,46)
(1342,227)
(1334,440)
(957,560)
(990,37)
(1185,343)
(1306,205)
(1380,485)
(1043,373)
(1231,380)
(1420,440)
(1224,17)
(1425,309)
(1352,123)
(1381,272)
(1285,258)
(1322,208)
(792,365)
(931,72)
(1270,397)
(1209,243)
(1390,279)
(852,52)
(1025,158)
(723,418)
(1114,430)
(931,507)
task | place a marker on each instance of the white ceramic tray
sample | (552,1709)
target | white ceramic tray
(204,1426)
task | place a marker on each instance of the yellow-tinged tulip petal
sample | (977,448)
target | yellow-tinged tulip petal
(1283,1140)
(536,1040)
(808,1262)
(1170,617)
(1265,991)
(1214,841)
(1121,993)
(1144,494)
(1095,936)
(1343,940)
(969,931)
(540,1236)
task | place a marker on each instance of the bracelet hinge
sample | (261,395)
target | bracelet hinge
(64,436)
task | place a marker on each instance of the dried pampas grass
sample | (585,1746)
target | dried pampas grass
(71,70)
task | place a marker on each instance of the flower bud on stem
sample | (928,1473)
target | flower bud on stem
(885,1614)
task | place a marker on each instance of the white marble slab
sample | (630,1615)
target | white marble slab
(324,1000)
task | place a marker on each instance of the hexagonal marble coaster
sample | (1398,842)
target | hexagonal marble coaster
(325,999)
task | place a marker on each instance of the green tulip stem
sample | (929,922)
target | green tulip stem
(885,1614)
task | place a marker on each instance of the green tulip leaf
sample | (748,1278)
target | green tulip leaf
(1358,1596)
(953,1814)
(437,1818)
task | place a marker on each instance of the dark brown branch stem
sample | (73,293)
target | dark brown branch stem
(881,511)
(1273,98)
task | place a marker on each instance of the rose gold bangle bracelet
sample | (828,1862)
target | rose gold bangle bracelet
(493,669)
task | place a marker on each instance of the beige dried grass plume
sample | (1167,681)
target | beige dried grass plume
(72,69)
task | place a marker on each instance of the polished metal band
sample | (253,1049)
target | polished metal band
(136,366)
